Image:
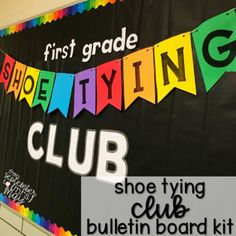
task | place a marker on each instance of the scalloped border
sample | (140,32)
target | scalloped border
(35,217)
(56,15)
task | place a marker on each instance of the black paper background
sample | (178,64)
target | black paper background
(183,135)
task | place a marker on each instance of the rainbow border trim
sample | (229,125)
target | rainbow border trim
(56,15)
(35,217)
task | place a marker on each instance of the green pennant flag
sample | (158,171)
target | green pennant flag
(44,89)
(215,44)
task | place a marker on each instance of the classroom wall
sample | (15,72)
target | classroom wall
(13,224)
(12,11)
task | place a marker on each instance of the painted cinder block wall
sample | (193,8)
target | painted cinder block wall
(13,224)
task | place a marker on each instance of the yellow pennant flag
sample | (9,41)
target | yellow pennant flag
(174,65)
(139,77)
(17,79)
(29,85)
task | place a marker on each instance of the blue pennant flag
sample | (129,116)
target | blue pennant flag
(61,94)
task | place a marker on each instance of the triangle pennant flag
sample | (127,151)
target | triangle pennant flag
(109,85)
(6,71)
(174,65)
(61,94)
(139,77)
(215,43)
(44,89)
(29,85)
(85,92)
(17,79)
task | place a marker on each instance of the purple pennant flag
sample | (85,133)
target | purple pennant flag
(85,91)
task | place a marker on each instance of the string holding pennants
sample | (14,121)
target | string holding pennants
(150,73)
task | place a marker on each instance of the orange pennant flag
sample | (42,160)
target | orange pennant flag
(139,77)
(17,79)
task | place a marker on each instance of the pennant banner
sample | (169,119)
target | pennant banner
(85,91)
(61,94)
(141,74)
(215,43)
(44,89)
(7,67)
(109,85)
(139,78)
(174,65)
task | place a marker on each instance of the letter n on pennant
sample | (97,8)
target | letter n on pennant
(174,65)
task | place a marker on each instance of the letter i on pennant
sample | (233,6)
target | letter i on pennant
(139,77)
(174,65)
(6,72)
(17,79)
(109,85)
(29,85)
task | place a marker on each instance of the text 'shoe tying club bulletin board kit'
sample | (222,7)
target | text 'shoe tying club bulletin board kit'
(112,89)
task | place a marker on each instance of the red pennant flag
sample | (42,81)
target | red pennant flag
(109,85)
(6,72)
